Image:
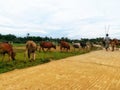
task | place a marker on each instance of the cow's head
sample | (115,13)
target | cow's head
(13,54)
(54,46)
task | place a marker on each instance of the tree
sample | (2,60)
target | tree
(28,34)
(9,37)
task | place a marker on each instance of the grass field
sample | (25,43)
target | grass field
(41,57)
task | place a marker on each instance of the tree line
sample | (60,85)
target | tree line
(15,39)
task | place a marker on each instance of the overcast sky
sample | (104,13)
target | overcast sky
(74,19)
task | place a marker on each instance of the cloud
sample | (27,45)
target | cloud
(60,18)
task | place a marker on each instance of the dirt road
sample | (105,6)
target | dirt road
(98,70)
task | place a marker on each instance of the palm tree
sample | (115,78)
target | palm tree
(28,34)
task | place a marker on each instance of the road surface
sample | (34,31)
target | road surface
(98,70)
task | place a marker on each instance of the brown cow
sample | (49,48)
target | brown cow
(64,45)
(47,45)
(114,43)
(6,48)
(31,47)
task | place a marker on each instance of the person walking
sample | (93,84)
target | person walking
(107,41)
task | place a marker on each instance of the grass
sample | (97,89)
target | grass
(42,57)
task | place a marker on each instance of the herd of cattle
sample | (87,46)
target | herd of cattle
(31,47)
(114,44)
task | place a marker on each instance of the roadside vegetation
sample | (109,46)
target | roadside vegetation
(41,57)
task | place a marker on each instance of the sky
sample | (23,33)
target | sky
(74,19)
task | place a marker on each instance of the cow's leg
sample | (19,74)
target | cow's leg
(33,56)
(43,49)
(86,48)
(39,49)
(67,49)
(113,48)
(29,55)
(117,47)
(48,49)
(3,56)
(82,48)
(60,48)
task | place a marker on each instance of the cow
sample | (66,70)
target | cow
(31,47)
(47,45)
(89,45)
(83,45)
(64,45)
(76,45)
(114,43)
(6,48)
(86,45)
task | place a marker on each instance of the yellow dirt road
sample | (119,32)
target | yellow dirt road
(98,70)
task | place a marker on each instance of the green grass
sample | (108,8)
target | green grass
(18,45)
(42,57)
